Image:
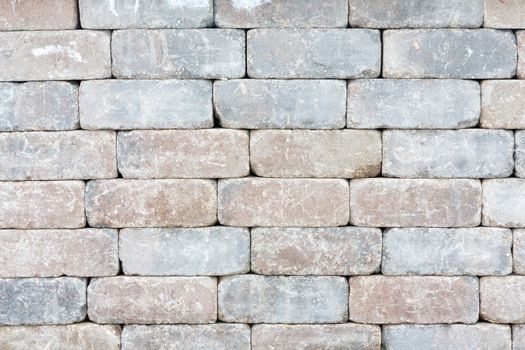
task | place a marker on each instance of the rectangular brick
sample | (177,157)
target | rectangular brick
(280,104)
(316,251)
(415,202)
(518,337)
(55,55)
(502,104)
(413,104)
(283,299)
(416,13)
(61,155)
(48,253)
(210,251)
(283,202)
(281,13)
(473,153)
(518,251)
(309,153)
(42,204)
(212,153)
(38,15)
(152,300)
(178,53)
(313,53)
(151,203)
(454,53)
(35,301)
(182,337)
(320,337)
(520,37)
(119,14)
(504,202)
(519,153)
(146,104)
(502,299)
(504,14)
(429,299)
(444,251)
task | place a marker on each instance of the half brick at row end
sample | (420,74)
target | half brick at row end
(502,104)
(503,299)
(503,202)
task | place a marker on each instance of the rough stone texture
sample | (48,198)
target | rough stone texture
(316,251)
(416,13)
(308,153)
(178,53)
(417,202)
(313,53)
(502,299)
(183,337)
(393,299)
(519,153)
(518,251)
(152,300)
(503,203)
(55,55)
(198,251)
(119,14)
(520,36)
(504,14)
(42,204)
(79,336)
(502,104)
(518,337)
(62,155)
(38,15)
(42,301)
(474,153)
(454,53)
(283,299)
(281,13)
(213,153)
(151,203)
(320,337)
(481,336)
(280,104)
(413,104)
(283,202)
(442,251)
(146,104)
(44,253)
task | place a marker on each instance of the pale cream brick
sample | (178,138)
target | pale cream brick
(38,15)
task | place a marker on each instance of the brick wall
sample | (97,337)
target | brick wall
(262,174)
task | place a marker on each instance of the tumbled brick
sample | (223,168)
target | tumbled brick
(520,36)
(518,337)
(182,337)
(195,251)
(45,253)
(428,299)
(283,299)
(55,55)
(444,251)
(280,104)
(68,337)
(42,204)
(151,203)
(42,300)
(308,153)
(58,155)
(454,53)
(474,153)
(119,14)
(519,153)
(503,202)
(212,153)
(502,104)
(152,300)
(283,202)
(321,337)
(413,104)
(38,15)
(416,13)
(518,251)
(502,299)
(437,337)
(504,14)
(183,53)
(146,104)
(281,13)
(416,202)
(316,251)
(313,53)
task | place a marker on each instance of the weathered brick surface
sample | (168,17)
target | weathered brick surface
(152,300)
(520,36)
(316,251)
(519,153)
(389,299)
(281,299)
(518,337)
(518,251)
(504,14)
(502,299)
(503,203)
(38,15)
(502,104)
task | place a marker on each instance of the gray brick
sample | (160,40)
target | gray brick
(520,36)
(502,104)
(518,251)
(502,299)
(518,337)
(504,14)
(38,15)
(519,153)
(503,202)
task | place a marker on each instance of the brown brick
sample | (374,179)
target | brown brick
(38,15)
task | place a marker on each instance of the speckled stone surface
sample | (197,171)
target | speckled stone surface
(502,105)
(38,15)
(503,202)
(502,299)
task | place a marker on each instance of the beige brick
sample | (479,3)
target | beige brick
(504,14)
(503,299)
(429,299)
(283,202)
(152,300)
(38,15)
(503,104)
(306,153)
